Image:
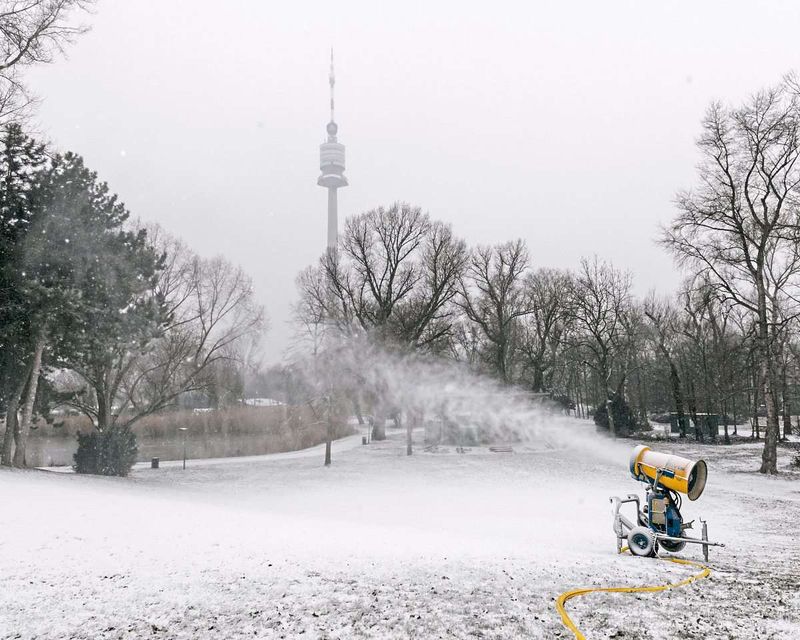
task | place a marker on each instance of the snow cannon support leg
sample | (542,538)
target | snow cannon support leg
(705,539)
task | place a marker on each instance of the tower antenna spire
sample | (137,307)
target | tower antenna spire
(332,80)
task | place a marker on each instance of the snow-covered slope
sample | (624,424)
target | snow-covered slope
(381,545)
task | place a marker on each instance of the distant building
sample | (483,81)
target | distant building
(262,402)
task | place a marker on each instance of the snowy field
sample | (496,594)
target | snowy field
(380,545)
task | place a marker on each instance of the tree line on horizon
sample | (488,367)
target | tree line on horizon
(727,343)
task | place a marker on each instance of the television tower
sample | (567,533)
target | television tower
(331,163)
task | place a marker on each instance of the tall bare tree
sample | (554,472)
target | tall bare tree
(740,226)
(494,298)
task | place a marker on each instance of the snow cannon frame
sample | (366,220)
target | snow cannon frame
(660,523)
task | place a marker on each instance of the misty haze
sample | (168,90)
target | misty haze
(399,320)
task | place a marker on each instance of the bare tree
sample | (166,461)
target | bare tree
(314,314)
(393,280)
(213,312)
(426,322)
(665,336)
(715,341)
(698,301)
(547,292)
(740,226)
(466,343)
(395,276)
(494,298)
(600,300)
(32,32)
(210,310)
(636,359)
(327,372)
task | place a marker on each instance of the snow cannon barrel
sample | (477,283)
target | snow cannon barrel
(676,473)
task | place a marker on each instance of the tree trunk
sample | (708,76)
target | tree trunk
(787,409)
(642,393)
(21,434)
(777,410)
(357,409)
(103,410)
(502,362)
(12,419)
(692,401)
(328,434)
(610,413)
(756,428)
(677,396)
(580,393)
(769,457)
(586,412)
(725,423)
(710,429)
(328,442)
(12,424)
(755,435)
(379,427)
(411,422)
(538,378)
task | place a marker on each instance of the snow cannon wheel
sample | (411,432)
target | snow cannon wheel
(642,542)
(671,546)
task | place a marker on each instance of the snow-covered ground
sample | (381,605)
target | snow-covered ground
(380,545)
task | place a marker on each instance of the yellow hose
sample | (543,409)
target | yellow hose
(568,595)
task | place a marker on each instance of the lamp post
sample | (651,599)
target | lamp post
(184,430)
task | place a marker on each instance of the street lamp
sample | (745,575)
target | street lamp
(184,430)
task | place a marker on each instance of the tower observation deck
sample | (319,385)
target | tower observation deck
(331,164)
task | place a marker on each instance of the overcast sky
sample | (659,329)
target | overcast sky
(568,124)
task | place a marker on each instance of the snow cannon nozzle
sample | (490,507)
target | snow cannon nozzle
(670,471)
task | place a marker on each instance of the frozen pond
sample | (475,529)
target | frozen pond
(53,451)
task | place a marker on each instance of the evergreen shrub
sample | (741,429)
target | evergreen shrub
(109,453)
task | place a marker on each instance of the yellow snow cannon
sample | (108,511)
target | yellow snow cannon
(676,473)
(658,522)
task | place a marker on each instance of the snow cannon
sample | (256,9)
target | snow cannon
(679,474)
(658,523)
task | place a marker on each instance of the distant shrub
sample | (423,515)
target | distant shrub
(624,418)
(796,461)
(563,402)
(108,453)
